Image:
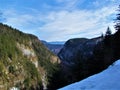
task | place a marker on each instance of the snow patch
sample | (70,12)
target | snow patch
(106,80)
(14,88)
(117,62)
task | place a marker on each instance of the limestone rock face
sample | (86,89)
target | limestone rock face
(75,48)
(25,63)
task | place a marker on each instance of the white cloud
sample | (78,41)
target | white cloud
(96,3)
(69,4)
(63,24)
(82,23)
(23,22)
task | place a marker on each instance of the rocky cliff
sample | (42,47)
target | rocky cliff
(81,57)
(75,48)
(25,63)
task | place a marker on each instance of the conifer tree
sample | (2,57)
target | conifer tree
(116,40)
(108,32)
(117,26)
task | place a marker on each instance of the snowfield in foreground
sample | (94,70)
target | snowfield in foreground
(108,79)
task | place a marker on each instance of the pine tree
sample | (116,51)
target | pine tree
(108,32)
(116,39)
(117,26)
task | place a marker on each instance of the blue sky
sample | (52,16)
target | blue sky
(60,20)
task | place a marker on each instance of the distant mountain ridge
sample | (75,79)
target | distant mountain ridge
(55,47)
(57,42)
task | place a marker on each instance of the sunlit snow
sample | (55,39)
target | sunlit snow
(106,80)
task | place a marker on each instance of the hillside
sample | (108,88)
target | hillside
(106,80)
(77,58)
(81,57)
(25,62)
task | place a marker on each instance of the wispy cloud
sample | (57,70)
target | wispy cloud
(82,23)
(24,22)
(70,4)
(64,22)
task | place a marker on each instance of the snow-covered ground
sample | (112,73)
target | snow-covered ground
(14,88)
(108,79)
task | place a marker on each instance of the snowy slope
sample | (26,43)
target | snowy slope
(109,79)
